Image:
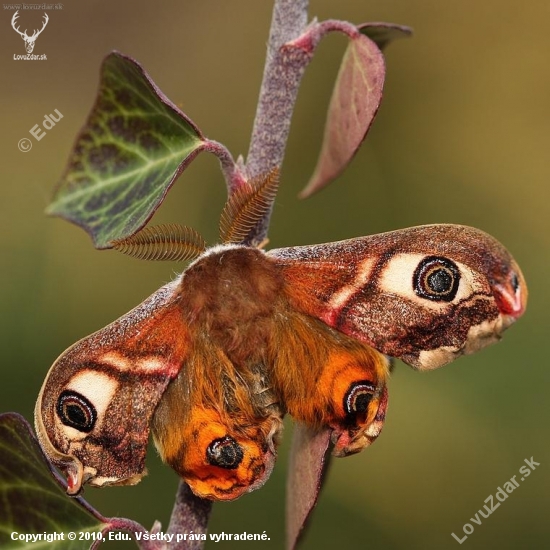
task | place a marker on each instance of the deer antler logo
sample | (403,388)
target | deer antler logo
(29,40)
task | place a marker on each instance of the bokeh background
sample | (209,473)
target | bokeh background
(462,137)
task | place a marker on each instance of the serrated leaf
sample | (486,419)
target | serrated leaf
(134,145)
(353,106)
(307,465)
(31,499)
(384,33)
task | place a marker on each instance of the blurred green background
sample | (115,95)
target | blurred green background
(462,137)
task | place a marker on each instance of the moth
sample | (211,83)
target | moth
(211,362)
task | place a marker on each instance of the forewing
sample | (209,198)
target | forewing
(424,294)
(94,409)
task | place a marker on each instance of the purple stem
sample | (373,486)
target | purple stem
(232,171)
(290,49)
(283,72)
(189,515)
(331,25)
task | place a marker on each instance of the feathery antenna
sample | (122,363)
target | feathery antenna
(247,206)
(170,242)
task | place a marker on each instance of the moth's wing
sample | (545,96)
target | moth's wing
(326,378)
(425,294)
(94,409)
(218,426)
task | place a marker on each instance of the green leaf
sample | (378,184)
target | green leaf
(353,106)
(32,500)
(134,145)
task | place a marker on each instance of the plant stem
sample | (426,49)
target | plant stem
(283,71)
(189,515)
(231,170)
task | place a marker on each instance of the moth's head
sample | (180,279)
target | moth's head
(93,412)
